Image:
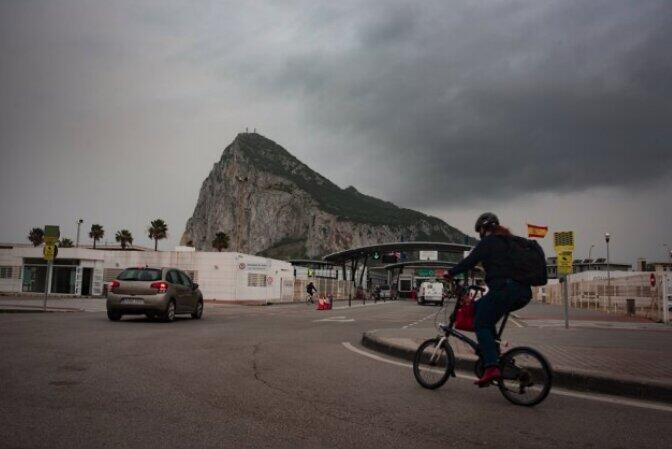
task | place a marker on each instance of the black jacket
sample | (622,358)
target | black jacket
(493,254)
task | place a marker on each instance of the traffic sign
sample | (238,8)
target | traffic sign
(652,280)
(563,241)
(50,252)
(52,231)
(564,263)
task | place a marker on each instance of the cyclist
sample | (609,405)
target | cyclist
(311,290)
(505,295)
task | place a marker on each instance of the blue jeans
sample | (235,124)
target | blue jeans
(504,296)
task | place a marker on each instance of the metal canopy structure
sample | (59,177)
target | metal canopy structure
(306,262)
(342,257)
(420,264)
(353,256)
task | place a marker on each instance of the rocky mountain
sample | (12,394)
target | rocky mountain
(272,204)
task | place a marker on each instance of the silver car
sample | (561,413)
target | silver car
(155,292)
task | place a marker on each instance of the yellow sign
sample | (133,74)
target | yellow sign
(50,240)
(564,264)
(50,252)
(563,241)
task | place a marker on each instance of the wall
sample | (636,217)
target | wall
(225,276)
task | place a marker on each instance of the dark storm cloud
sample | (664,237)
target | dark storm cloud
(493,98)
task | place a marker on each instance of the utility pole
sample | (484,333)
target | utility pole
(589,254)
(607,237)
(79,225)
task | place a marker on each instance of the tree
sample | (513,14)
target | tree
(65,243)
(124,237)
(157,231)
(36,236)
(97,232)
(221,241)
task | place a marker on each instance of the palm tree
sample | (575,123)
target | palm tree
(36,236)
(97,232)
(124,237)
(157,231)
(221,241)
(65,243)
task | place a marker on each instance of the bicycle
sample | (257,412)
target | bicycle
(309,298)
(526,374)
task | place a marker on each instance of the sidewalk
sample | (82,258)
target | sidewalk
(611,360)
(55,304)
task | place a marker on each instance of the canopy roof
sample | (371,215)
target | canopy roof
(302,262)
(357,253)
(421,264)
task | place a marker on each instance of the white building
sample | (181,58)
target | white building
(225,276)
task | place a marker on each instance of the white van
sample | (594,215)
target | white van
(431,292)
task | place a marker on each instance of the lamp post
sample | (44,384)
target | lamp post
(79,225)
(607,237)
(590,250)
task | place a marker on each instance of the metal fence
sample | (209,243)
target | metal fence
(626,295)
(338,288)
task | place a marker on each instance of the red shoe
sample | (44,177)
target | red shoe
(492,373)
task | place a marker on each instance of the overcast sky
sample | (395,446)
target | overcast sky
(557,113)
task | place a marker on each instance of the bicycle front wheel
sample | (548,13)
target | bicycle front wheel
(526,376)
(433,363)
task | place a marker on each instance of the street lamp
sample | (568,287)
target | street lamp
(79,224)
(607,237)
(590,250)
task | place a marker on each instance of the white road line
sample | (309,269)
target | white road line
(514,321)
(557,391)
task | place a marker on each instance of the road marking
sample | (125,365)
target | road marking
(335,319)
(514,321)
(362,305)
(556,391)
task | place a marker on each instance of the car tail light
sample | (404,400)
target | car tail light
(161,287)
(114,285)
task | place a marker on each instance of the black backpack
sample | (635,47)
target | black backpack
(528,261)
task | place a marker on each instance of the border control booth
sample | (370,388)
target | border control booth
(394,258)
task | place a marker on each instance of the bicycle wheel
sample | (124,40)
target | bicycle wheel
(526,376)
(433,364)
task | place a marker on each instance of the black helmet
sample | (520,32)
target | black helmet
(485,221)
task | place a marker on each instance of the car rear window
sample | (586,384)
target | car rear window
(140,274)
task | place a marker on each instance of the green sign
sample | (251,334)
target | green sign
(52,231)
(425,272)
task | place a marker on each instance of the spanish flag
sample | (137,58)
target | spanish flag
(536,231)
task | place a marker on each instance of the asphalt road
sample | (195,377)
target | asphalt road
(267,377)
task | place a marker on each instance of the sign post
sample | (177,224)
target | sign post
(564,249)
(51,235)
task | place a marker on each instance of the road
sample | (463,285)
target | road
(277,377)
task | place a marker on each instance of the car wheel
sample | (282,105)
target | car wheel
(169,314)
(113,315)
(198,312)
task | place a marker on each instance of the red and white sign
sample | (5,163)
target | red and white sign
(652,280)
(269,280)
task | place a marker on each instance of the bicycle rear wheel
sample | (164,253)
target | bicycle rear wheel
(526,376)
(433,364)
